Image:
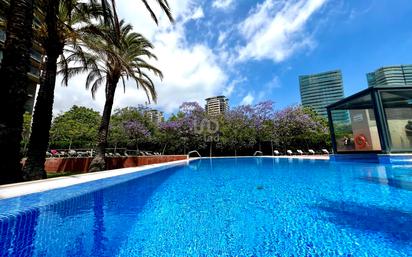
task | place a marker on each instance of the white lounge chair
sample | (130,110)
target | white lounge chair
(82,154)
(276,152)
(325,151)
(299,152)
(72,153)
(311,151)
(289,152)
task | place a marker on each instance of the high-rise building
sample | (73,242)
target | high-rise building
(36,56)
(155,116)
(320,90)
(217,105)
(400,75)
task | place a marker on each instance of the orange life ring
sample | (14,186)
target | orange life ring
(360,141)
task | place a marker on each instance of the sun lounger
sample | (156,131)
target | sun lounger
(289,152)
(72,153)
(311,151)
(324,151)
(276,152)
(82,154)
(299,152)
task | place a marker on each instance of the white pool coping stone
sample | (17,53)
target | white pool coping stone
(31,187)
(304,157)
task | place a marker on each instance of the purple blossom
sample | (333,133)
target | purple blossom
(293,121)
(135,129)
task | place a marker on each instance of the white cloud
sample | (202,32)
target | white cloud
(232,85)
(194,71)
(273,83)
(198,14)
(191,71)
(248,99)
(276,29)
(222,4)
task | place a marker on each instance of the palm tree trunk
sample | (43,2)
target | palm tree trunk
(43,111)
(13,89)
(99,163)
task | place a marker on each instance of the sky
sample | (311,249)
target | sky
(252,51)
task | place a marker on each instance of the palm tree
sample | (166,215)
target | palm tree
(110,8)
(70,12)
(13,89)
(108,58)
(61,18)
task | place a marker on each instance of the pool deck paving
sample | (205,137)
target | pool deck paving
(24,188)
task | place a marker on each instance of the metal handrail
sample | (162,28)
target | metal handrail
(258,152)
(194,151)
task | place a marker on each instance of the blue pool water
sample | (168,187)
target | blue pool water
(221,207)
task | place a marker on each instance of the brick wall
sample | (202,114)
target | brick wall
(57,165)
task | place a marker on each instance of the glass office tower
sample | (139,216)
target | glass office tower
(400,75)
(320,90)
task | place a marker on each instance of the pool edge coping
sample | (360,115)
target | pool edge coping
(38,186)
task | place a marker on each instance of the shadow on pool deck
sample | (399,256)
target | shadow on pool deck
(395,225)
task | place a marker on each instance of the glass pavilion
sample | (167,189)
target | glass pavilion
(376,120)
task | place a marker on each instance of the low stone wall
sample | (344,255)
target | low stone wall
(57,165)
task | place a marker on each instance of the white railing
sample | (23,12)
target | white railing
(258,152)
(194,151)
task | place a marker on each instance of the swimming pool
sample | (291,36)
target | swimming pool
(225,206)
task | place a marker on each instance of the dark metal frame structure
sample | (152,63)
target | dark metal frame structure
(380,116)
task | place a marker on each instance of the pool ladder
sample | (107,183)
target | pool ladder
(194,151)
(258,153)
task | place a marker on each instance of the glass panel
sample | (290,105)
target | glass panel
(358,131)
(34,70)
(398,111)
(36,55)
(2,36)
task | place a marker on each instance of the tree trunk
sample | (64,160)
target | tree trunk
(271,146)
(99,163)
(13,89)
(164,149)
(43,111)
